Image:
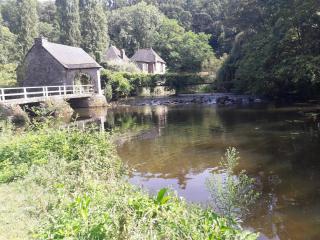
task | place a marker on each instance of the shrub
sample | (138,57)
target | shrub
(130,84)
(125,84)
(20,151)
(8,76)
(116,66)
(108,92)
(181,82)
(232,194)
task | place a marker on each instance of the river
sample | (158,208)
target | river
(180,146)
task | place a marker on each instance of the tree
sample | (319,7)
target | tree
(27,24)
(9,14)
(7,45)
(48,25)
(69,21)
(182,50)
(8,56)
(134,27)
(143,25)
(176,11)
(277,53)
(94,28)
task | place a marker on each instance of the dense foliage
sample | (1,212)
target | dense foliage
(272,46)
(87,23)
(27,25)
(277,50)
(232,193)
(144,26)
(8,75)
(73,186)
(124,84)
(93,28)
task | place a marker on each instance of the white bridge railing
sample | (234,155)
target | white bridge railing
(24,93)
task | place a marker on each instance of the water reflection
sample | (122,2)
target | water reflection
(180,146)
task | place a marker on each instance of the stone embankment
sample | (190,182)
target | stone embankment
(13,113)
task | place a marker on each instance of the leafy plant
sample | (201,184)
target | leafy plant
(232,194)
(162,197)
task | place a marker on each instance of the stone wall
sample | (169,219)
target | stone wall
(41,69)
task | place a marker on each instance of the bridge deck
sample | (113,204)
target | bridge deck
(26,95)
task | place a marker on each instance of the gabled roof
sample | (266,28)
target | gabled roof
(147,55)
(70,57)
(114,53)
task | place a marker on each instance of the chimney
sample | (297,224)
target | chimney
(122,53)
(40,41)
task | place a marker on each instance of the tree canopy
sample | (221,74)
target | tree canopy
(272,47)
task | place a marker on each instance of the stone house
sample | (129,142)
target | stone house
(51,64)
(149,61)
(116,55)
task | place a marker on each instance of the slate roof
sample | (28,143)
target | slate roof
(70,57)
(147,55)
(114,53)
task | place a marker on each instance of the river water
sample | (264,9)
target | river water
(180,146)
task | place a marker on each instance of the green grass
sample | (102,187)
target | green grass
(70,184)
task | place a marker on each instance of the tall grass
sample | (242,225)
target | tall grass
(76,188)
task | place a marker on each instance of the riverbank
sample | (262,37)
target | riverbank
(71,184)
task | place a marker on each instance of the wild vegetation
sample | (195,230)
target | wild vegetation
(232,194)
(119,84)
(276,50)
(71,184)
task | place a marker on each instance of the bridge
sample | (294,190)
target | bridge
(25,95)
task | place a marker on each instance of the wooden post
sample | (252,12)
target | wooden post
(44,91)
(2,95)
(99,83)
(25,93)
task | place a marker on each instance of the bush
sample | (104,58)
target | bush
(181,82)
(232,194)
(8,76)
(20,151)
(122,66)
(108,92)
(130,84)
(124,84)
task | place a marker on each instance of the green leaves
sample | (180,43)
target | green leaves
(94,28)
(134,27)
(162,197)
(275,55)
(232,194)
(182,50)
(27,25)
(69,21)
